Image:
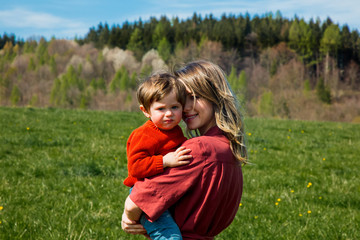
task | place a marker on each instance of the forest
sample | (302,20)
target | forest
(278,67)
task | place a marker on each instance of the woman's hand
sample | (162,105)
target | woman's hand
(131,226)
(130,218)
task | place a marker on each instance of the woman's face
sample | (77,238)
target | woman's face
(198,115)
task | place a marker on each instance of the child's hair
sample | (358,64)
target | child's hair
(157,86)
(207,80)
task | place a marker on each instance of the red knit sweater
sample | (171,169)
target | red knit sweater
(145,149)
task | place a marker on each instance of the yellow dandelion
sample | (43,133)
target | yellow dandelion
(292,191)
(289,130)
(1,208)
(264,149)
(240,204)
(249,134)
(276,203)
(324,159)
(302,131)
(309,184)
(279,199)
(256,217)
(320,197)
(28,128)
(0,222)
(309,212)
(288,137)
(300,215)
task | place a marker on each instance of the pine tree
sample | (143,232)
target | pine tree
(31,65)
(164,49)
(124,80)
(232,78)
(114,85)
(132,84)
(68,89)
(42,54)
(53,65)
(330,44)
(136,44)
(55,92)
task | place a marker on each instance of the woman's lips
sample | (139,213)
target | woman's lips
(190,117)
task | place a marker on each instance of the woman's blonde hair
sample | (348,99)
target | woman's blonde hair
(207,80)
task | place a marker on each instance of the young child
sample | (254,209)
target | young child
(155,145)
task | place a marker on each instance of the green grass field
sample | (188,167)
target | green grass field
(61,174)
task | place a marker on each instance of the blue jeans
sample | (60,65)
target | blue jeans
(164,228)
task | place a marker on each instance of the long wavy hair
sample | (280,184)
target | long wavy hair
(207,80)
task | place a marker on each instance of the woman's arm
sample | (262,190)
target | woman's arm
(130,218)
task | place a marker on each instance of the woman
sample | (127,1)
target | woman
(204,195)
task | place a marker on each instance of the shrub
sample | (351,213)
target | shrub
(266,105)
(323,92)
(15,95)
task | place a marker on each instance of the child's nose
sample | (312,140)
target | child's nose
(168,113)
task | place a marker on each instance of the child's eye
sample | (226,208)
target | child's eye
(161,109)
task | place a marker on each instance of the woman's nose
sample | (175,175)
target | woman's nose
(188,105)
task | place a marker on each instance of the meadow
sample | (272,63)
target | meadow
(61,174)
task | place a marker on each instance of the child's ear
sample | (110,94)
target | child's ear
(142,108)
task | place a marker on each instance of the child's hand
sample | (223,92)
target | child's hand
(177,158)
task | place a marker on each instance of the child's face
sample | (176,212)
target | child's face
(166,113)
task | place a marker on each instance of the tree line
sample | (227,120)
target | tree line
(312,40)
(276,66)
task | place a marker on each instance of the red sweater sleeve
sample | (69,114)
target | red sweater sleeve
(142,161)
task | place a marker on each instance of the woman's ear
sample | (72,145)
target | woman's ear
(142,108)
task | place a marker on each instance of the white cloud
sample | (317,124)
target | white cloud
(40,22)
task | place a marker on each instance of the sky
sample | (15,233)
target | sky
(73,18)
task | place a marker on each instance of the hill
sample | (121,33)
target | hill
(278,67)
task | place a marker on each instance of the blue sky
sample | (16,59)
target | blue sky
(70,18)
